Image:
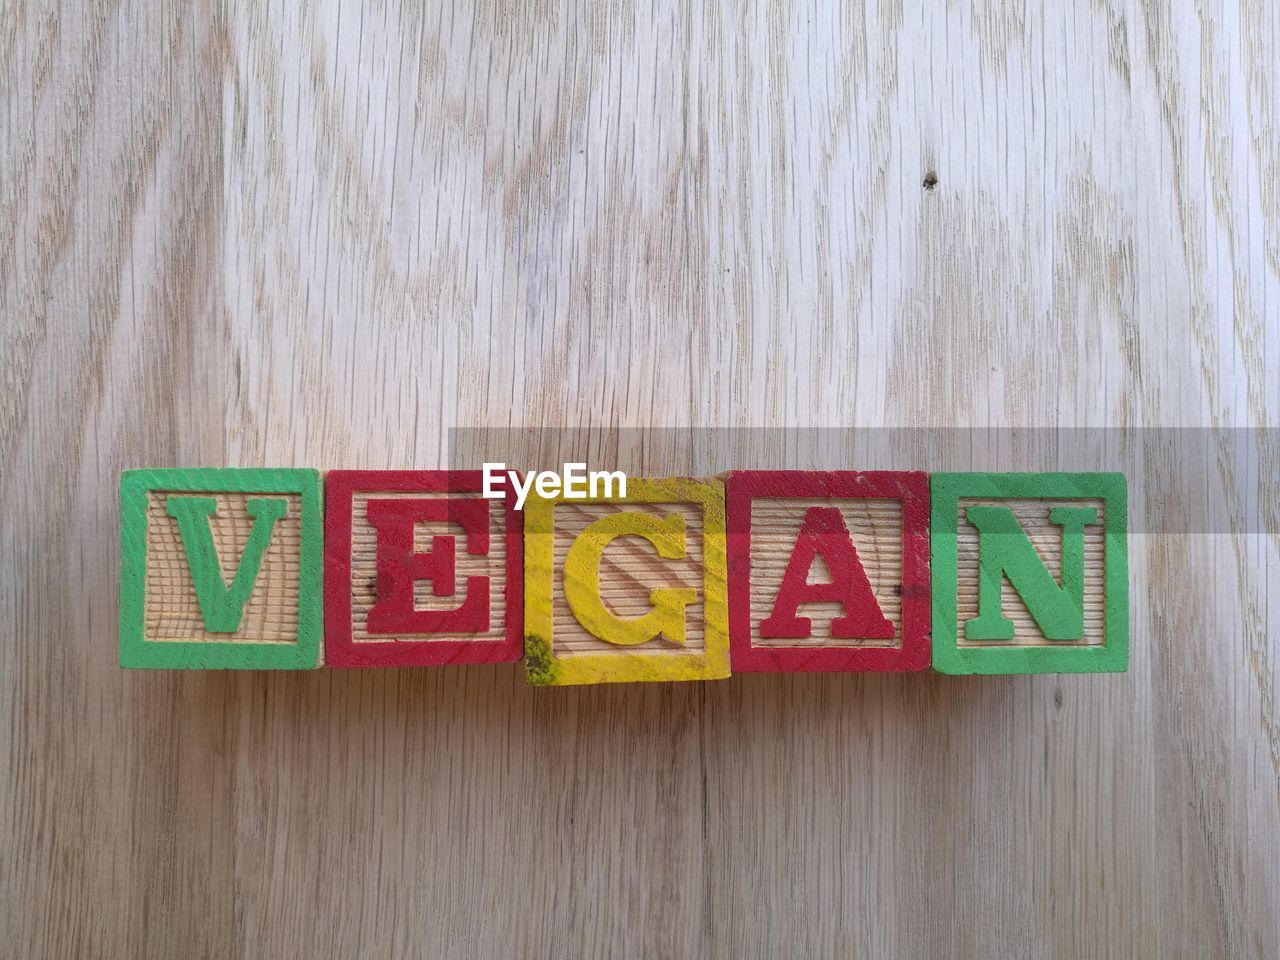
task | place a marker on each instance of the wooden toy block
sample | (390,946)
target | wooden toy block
(828,571)
(420,570)
(627,588)
(220,569)
(1030,572)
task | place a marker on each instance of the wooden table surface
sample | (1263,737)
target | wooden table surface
(326,234)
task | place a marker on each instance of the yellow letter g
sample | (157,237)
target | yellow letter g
(582,580)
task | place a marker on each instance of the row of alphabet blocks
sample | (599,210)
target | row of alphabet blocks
(681,579)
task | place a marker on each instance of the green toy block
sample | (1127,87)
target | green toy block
(1030,572)
(221,569)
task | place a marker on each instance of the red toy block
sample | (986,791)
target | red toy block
(828,571)
(420,569)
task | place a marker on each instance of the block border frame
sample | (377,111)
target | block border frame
(340,650)
(948,655)
(713,663)
(911,487)
(138,652)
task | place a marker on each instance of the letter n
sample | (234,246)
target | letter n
(1005,550)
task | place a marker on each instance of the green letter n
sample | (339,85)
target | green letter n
(220,605)
(1004,549)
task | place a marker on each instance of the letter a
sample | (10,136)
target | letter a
(823,533)
(221,606)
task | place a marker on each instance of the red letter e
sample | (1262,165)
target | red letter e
(399,568)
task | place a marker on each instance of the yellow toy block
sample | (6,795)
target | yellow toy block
(627,588)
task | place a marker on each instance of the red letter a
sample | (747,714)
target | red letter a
(399,567)
(824,534)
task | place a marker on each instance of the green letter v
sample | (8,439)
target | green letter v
(222,607)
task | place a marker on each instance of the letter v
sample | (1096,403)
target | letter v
(221,606)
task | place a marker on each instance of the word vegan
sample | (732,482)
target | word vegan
(594,577)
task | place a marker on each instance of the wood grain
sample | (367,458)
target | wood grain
(324,234)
